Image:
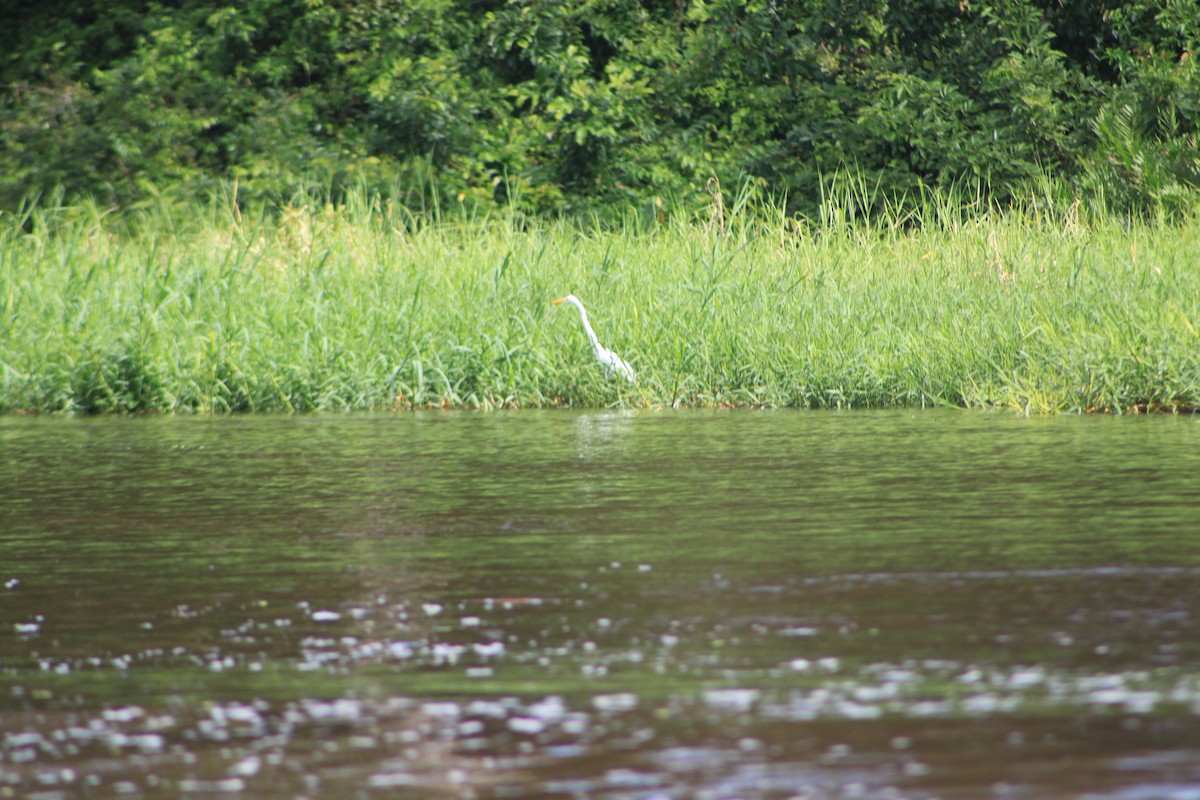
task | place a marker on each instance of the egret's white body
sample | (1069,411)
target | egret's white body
(611,362)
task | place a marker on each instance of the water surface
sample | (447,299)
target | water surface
(618,605)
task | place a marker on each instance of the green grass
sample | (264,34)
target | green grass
(211,309)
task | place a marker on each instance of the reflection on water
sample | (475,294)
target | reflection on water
(620,605)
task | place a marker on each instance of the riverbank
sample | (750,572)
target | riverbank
(210,309)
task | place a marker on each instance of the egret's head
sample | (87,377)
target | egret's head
(568,299)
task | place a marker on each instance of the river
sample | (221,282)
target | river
(648,605)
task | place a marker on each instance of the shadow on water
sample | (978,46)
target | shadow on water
(619,605)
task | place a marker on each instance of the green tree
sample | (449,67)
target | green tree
(561,106)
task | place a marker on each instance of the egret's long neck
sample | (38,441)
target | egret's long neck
(587,327)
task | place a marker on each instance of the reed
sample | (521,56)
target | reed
(364,306)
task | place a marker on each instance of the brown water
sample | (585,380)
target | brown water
(644,605)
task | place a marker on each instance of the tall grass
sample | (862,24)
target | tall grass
(213,309)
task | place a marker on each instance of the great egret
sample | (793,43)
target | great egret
(607,358)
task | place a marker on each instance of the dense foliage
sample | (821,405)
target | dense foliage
(567,106)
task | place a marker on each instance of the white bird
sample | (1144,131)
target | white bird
(607,358)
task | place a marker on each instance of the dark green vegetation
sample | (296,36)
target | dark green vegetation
(213,309)
(351,205)
(569,107)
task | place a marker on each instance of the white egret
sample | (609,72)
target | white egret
(607,358)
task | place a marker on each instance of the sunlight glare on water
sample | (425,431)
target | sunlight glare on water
(623,605)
